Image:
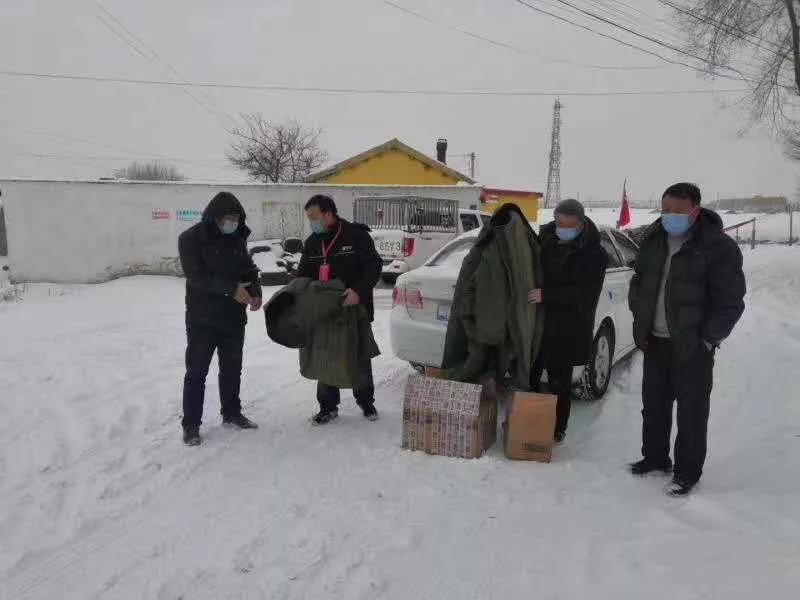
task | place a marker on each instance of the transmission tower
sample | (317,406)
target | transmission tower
(553,195)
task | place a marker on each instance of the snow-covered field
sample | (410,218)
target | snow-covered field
(769,228)
(99,498)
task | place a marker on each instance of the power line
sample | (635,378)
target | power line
(643,36)
(607,36)
(49,155)
(511,47)
(736,32)
(136,43)
(634,46)
(364,91)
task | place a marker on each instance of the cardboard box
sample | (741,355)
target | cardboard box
(529,426)
(434,373)
(449,418)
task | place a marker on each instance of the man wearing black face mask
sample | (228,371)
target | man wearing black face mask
(221,282)
(686,297)
(338,249)
(574,266)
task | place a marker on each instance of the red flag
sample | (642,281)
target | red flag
(625,209)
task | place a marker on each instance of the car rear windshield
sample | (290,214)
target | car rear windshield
(454,254)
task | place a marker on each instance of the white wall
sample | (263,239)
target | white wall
(84,232)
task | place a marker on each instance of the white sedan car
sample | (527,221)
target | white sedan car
(422,299)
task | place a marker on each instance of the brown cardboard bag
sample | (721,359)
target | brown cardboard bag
(449,418)
(529,427)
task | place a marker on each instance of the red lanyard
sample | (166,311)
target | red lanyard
(326,249)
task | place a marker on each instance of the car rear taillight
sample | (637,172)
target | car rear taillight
(408,246)
(405,297)
(413,299)
(398,297)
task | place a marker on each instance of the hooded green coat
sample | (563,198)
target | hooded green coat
(493,329)
(333,340)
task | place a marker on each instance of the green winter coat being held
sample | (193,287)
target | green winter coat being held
(493,329)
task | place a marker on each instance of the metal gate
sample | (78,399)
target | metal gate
(409,213)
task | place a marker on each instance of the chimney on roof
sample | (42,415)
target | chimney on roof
(441,150)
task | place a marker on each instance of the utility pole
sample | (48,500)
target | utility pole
(553,195)
(471,165)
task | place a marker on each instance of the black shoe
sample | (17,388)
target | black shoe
(559,436)
(239,422)
(191,436)
(324,417)
(645,467)
(679,487)
(370,413)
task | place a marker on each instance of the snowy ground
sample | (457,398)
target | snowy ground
(99,498)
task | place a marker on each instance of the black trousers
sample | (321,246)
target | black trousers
(559,383)
(669,377)
(329,396)
(202,340)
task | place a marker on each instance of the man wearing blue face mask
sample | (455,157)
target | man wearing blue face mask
(686,296)
(574,268)
(221,282)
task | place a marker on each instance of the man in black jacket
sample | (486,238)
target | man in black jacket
(686,296)
(221,282)
(574,266)
(341,250)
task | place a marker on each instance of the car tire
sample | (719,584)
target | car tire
(418,368)
(597,373)
(389,279)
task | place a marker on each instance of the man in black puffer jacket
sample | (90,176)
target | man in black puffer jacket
(221,281)
(338,249)
(686,296)
(574,266)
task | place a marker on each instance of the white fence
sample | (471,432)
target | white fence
(85,232)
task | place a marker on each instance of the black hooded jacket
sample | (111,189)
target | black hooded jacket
(573,279)
(704,295)
(214,264)
(352,259)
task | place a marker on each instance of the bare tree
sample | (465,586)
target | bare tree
(756,41)
(276,152)
(150,171)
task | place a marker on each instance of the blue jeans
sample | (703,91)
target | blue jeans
(329,396)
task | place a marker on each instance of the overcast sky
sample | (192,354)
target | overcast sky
(83,129)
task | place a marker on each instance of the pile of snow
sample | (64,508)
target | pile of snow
(99,498)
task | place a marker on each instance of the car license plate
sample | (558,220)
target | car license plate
(389,247)
(443,312)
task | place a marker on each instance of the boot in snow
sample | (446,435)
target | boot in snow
(370,413)
(324,417)
(680,487)
(191,436)
(645,467)
(239,422)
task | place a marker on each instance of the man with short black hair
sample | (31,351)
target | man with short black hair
(574,267)
(338,249)
(686,295)
(221,282)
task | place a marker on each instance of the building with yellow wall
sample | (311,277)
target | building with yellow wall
(392,163)
(396,163)
(494,198)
